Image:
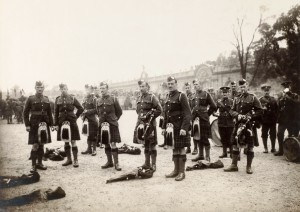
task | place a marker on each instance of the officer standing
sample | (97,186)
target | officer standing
(38,126)
(269,118)
(246,109)
(148,109)
(64,117)
(177,120)
(225,121)
(202,106)
(286,115)
(234,91)
(109,112)
(90,113)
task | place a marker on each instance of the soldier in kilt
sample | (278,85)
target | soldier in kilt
(202,106)
(148,109)
(90,113)
(38,108)
(269,118)
(246,110)
(109,111)
(65,105)
(177,121)
(225,121)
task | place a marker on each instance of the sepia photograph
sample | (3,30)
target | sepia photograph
(147,105)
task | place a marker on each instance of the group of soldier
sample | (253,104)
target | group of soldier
(12,107)
(182,115)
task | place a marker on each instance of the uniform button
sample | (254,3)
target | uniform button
(104,113)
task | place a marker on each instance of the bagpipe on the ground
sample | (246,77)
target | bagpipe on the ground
(129,150)
(12,181)
(138,173)
(205,165)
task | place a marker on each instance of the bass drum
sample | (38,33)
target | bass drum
(291,149)
(215,135)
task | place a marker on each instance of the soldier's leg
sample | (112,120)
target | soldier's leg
(200,154)
(109,162)
(273,136)
(75,153)
(181,164)
(264,136)
(94,145)
(195,151)
(223,135)
(40,154)
(280,136)
(153,154)
(89,148)
(175,159)
(235,155)
(115,154)
(207,148)
(147,155)
(33,156)
(68,154)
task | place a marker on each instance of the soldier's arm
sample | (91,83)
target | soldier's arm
(186,112)
(26,112)
(258,110)
(93,110)
(232,111)
(49,113)
(118,108)
(79,107)
(156,106)
(212,104)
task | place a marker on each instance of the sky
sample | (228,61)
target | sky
(85,42)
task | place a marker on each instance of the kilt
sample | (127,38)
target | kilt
(150,140)
(33,133)
(114,134)
(75,135)
(93,131)
(181,141)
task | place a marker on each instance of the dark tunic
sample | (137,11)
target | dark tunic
(146,103)
(247,104)
(177,112)
(90,105)
(109,110)
(64,111)
(37,109)
(203,106)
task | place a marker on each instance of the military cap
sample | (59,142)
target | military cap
(242,82)
(104,83)
(187,83)
(39,83)
(225,89)
(141,81)
(233,83)
(171,78)
(86,86)
(62,85)
(265,87)
(210,89)
(286,84)
(195,80)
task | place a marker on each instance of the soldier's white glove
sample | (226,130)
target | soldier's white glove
(182,132)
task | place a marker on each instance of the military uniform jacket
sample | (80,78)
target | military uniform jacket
(162,100)
(246,104)
(64,109)
(109,110)
(287,104)
(225,119)
(90,105)
(145,103)
(38,107)
(177,111)
(199,104)
(189,95)
(270,109)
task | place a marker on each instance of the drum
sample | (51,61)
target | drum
(291,149)
(215,135)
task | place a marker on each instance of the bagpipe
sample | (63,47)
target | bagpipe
(144,128)
(169,135)
(85,127)
(105,137)
(66,131)
(43,134)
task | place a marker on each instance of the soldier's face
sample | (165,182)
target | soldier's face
(197,86)
(39,89)
(103,90)
(172,85)
(64,90)
(187,88)
(267,92)
(225,94)
(243,88)
(143,88)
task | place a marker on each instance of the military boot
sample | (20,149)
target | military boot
(207,153)
(224,155)
(153,159)
(33,156)
(75,154)
(181,168)
(94,145)
(250,157)
(280,151)
(109,162)
(195,151)
(146,165)
(265,142)
(68,154)
(89,148)
(174,173)
(115,155)
(233,167)
(273,145)
(200,154)
(40,154)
